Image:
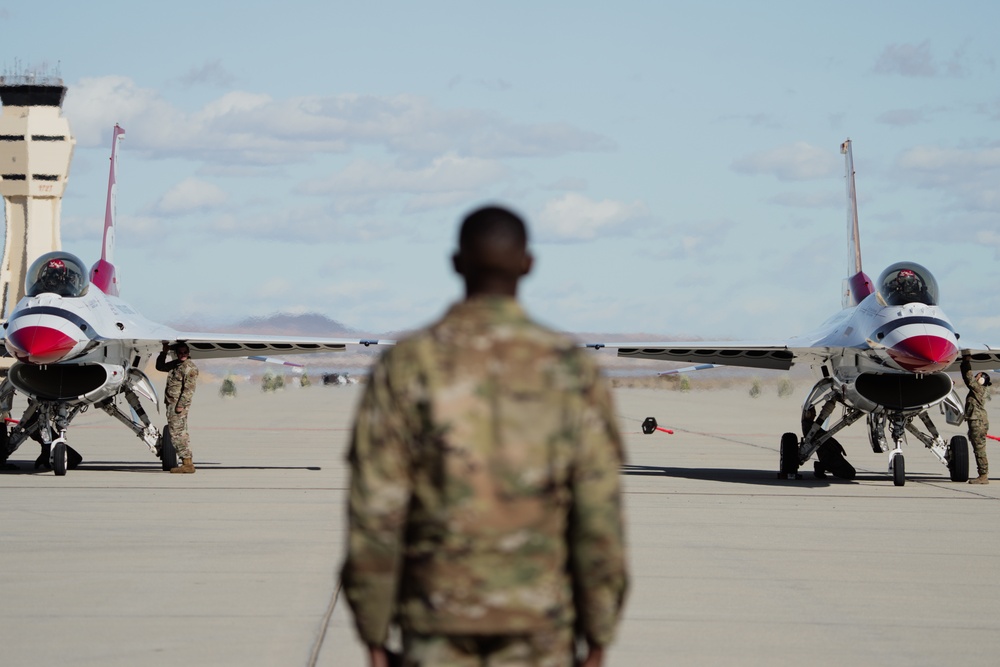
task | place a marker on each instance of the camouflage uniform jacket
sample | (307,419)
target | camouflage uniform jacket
(975,402)
(485,493)
(182,378)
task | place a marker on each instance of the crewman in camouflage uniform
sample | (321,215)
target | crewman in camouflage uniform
(485,515)
(182,379)
(975,415)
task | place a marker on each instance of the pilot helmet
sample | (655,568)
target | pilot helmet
(907,278)
(55,272)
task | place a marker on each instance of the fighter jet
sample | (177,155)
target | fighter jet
(884,356)
(77,345)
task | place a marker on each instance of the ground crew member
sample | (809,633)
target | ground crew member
(831,455)
(182,379)
(975,415)
(484,509)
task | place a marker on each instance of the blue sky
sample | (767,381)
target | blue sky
(678,163)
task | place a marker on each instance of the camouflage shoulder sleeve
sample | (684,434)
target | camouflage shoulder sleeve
(967,375)
(189,382)
(597,541)
(378,497)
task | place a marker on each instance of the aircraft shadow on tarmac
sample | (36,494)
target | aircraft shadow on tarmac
(765,477)
(28,467)
(730,475)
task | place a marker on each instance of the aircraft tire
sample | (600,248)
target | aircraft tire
(958,459)
(4,454)
(59,459)
(898,470)
(168,455)
(789,454)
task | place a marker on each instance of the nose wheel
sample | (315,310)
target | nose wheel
(60,459)
(898,468)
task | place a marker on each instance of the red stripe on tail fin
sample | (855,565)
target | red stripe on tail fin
(102,275)
(857,285)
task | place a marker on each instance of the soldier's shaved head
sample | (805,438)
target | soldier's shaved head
(492,252)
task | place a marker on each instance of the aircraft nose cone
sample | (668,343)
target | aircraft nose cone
(924,353)
(39,345)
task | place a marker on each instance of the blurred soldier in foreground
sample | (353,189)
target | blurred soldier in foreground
(182,378)
(975,415)
(485,510)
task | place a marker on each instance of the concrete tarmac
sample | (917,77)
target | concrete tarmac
(119,563)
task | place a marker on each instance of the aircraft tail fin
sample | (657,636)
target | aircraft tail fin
(102,275)
(857,285)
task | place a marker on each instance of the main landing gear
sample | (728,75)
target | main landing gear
(958,459)
(47,422)
(788,462)
(887,432)
(166,451)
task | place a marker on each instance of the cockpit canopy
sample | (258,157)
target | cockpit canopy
(56,273)
(908,282)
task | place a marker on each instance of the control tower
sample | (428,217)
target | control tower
(35,151)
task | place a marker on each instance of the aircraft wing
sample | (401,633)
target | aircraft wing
(772,355)
(220,345)
(984,358)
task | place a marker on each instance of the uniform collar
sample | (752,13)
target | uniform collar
(504,307)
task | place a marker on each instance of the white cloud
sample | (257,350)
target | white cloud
(435,201)
(912,60)
(447,173)
(567,183)
(575,217)
(796,162)
(969,175)
(306,225)
(902,117)
(934,158)
(241,127)
(761,119)
(820,199)
(211,73)
(190,196)
(990,239)
(96,104)
(74,229)
(690,239)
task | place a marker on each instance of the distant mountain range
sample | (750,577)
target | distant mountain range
(315,324)
(309,324)
(283,324)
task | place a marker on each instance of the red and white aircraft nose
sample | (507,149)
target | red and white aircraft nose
(43,339)
(930,350)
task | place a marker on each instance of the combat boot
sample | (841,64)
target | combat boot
(186,466)
(982,479)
